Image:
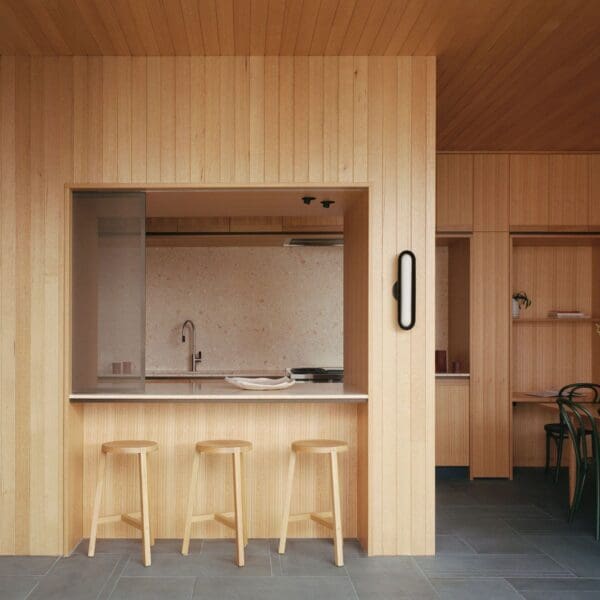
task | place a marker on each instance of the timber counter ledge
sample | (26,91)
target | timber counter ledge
(219,391)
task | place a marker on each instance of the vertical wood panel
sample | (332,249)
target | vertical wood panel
(490,192)
(153,111)
(257,119)
(286,119)
(22,286)
(490,401)
(568,191)
(452,423)
(167,119)
(242,120)
(594,219)
(109,120)
(138,118)
(529,192)
(271,119)
(124,131)
(182,119)
(454,192)
(8,306)
(164,119)
(197,119)
(375,418)
(315,119)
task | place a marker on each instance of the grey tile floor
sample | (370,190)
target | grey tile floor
(496,540)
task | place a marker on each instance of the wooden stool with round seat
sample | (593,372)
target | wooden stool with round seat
(331,520)
(140,520)
(236,520)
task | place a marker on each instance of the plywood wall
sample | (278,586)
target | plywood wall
(210,120)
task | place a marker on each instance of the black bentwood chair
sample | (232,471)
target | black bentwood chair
(557,432)
(579,423)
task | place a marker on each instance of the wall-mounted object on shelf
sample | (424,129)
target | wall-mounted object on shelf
(441,361)
(404,289)
(519,300)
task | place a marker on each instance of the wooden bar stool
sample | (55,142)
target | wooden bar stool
(236,520)
(140,520)
(331,520)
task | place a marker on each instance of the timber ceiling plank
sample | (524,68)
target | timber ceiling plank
(512,74)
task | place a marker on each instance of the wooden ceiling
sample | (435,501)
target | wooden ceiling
(512,74)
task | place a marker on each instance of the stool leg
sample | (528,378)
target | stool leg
(97,502)
(338,538)
(288,502)
(239,511)
(244,497)
(185,548)
(145,516)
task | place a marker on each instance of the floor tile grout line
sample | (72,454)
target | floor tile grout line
(554,560)
(420,570)
(54,563)
(110,575)
(466,543)
(353,586)
(37,583)
(514,588)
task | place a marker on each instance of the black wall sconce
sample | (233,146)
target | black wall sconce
(404,290)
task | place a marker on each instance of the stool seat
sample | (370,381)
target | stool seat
(319,446)
(129,447)
(223,446)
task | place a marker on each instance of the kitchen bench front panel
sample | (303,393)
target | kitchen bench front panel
(271,427)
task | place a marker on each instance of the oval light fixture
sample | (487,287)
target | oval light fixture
(405,290)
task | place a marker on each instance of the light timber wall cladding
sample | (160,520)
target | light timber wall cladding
(210,120)
(518,192)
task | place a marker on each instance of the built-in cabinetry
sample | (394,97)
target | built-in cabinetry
(558,272)
(334,224)
(494,195)
(518,192)
(452,422)
(452,337)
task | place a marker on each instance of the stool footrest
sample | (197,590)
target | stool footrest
(322,518)
(133,519)
(109,519)
(226,519)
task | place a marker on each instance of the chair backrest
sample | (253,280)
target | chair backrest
(574,390)
(577,419)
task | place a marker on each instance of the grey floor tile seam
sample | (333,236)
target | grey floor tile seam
(105,592)
(547,555)
(512,587)
(33,588)
(420,570)
(56,560)
(110,576)
(353,587)
(465,542)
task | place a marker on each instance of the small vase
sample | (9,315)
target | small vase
(516,310)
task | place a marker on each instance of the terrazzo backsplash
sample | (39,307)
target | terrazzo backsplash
(255,308)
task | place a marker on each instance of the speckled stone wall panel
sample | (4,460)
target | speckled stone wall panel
(254,308)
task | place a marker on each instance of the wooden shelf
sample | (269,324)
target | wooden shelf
(550,320)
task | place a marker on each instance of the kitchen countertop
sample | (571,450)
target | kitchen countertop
(218,391)
(452,375)
(213,374)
